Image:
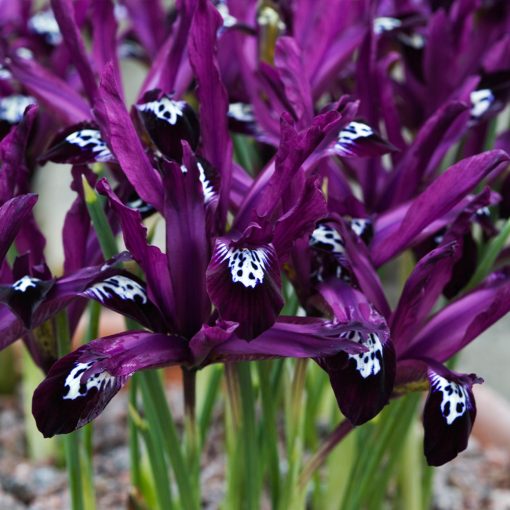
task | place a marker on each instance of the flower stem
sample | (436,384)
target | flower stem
(159,416)
(270,433)
(316,461)
(189,378)
(294,432)
(248,432)
(151,436)
(71,441)
(210,395)
(95,207)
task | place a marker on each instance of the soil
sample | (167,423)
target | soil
(479,479)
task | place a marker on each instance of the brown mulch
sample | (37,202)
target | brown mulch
(477,480)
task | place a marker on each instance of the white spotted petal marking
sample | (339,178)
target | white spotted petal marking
(360,226)
(327,238)
(246,266)
(89,138)
(13,107)
(386,24)
(77,389)
(164,109)
(45,24)
(122,286)
(353,131)
(481,101)
(23,284)
(455,398)
(367,363)
(241,112)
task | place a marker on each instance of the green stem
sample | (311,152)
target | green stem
(71,441)
(206,408)
(159,468)
(252,475)
(316,461)
(189,378)
(235,471)
(95,207)
(134,446)
(294,428)
(410,471)
(159,415)
(40,449)
(270,433)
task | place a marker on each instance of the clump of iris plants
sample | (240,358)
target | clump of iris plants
(332,184)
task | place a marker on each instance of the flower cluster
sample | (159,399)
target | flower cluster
(367,124)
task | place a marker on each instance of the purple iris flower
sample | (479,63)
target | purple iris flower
(422,341)
(236,271)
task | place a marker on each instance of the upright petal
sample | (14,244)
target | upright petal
(12,215)
(422,289)
(437,199)
(61,98)
(460,322)
(150,258)
(187,245)
(122,138)
(65,16)
(216,144)
(79,386)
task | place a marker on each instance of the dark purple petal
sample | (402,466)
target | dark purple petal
(449,414)
(13,153)
(24,296)
(169,64)
(150,258)
(126,294)
(121,136)
(65,16)
(216,144)
(68,288)
(104,26)
(60,97)
(425,154)
(457,324)
(187,244)
(243,282)
(362,382)
(361,264)
(168,122)
(288,60)
(81,247)
(11,328)
(12,216)
(78,145)
(148,20)
(79,386)
(439,197)
(278,180)
(300,220)
(292,337)
(421,291)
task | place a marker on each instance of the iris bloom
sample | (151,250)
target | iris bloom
(236,271)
